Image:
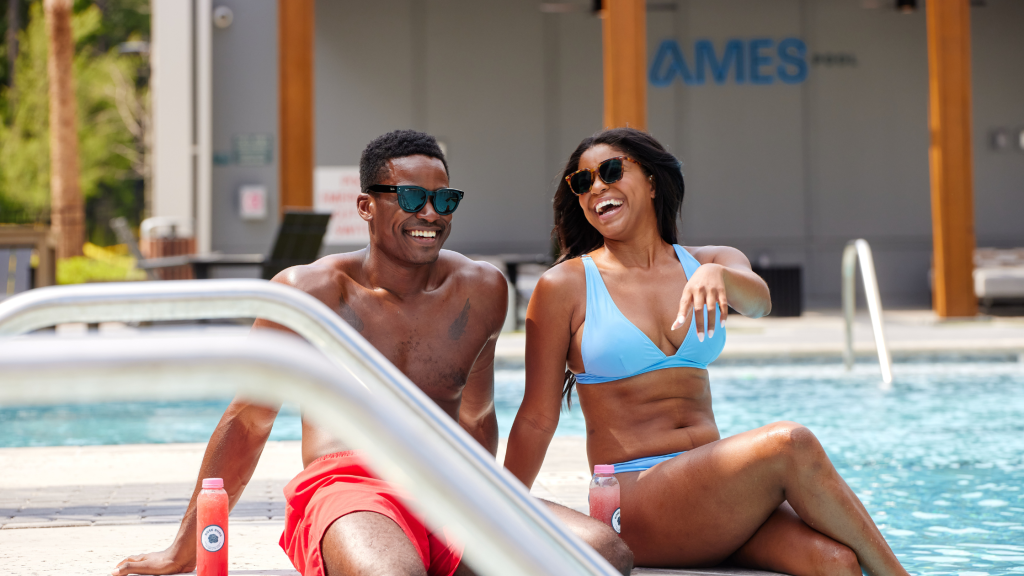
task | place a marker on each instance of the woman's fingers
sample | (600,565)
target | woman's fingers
(711,302)
(699,311)
(683,319)
(701,303)
(723,305)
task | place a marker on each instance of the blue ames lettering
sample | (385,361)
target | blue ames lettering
(758,61)
(668,63)
(741,60)
(792,54)
(705,54)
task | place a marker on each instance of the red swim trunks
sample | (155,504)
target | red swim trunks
(339,484)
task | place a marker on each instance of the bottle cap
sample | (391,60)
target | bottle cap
(604,469)
(213,484)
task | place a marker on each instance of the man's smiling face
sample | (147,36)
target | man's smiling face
(413,238)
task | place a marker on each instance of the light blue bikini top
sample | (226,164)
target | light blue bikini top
(613,348)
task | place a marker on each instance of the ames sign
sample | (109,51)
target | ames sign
(754,61)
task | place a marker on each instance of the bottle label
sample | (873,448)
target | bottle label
(213,538)
(615,521)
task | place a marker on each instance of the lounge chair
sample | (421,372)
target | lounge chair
(999,277)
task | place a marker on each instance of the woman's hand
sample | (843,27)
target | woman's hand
(707,287)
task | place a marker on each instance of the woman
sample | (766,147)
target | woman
(610,310)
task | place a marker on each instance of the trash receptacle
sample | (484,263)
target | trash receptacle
(162,236)
(786,287)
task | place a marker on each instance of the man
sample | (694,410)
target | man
(436,315)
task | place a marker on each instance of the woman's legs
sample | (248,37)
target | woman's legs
(703,506)
(784,543)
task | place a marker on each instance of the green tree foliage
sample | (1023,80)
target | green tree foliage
(108,93)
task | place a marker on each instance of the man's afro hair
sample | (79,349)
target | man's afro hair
(373,164)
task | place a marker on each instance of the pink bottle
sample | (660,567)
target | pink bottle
(212,529)
(604,496)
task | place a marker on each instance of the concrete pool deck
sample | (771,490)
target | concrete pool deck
(80,510)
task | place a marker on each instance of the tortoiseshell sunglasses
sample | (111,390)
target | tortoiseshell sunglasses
(610,172)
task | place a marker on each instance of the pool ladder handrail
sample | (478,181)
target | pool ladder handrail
(860,250)
(318,324)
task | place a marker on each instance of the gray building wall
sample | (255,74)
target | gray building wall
(998,99)
(245,101)
(470,73)
(787,172)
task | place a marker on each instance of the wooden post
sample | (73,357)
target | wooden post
(295,90)
(67,211)
(949,119)
(624,29)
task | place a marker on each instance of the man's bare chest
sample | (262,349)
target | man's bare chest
(434,342)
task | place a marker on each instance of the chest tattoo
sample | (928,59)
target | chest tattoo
(458,327)
(349,315)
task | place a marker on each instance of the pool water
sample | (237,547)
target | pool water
(938,461)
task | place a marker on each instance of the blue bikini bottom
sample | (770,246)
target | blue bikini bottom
(641,464)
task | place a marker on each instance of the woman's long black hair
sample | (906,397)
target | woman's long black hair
(574,235)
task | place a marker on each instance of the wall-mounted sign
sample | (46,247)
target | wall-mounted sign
(252,149)
(335,190)
(252,202)
(754,61)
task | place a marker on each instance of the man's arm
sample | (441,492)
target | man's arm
(232,454)
(476,412)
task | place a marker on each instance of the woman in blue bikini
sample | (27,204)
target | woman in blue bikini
(611,311)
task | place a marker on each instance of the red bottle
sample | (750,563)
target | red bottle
(212,529)
(604,496)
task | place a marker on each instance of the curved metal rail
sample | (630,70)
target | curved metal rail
(209,299)
(293,309)
(860,250)
(501,535)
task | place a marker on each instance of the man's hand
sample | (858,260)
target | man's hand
(231,454)
(155,563)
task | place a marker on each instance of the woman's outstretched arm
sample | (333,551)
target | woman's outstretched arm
(548,332)
(724,278)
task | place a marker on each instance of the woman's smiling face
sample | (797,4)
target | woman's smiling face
(616,209)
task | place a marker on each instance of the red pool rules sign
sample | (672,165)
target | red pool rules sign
(335,189)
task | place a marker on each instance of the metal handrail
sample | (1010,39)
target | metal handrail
(291,308)
(860,250)
(501,535)
(209,299)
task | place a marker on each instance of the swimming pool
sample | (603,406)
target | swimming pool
(938,461)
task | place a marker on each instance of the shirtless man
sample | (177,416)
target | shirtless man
(436,315)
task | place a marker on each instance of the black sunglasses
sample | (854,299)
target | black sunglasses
(610,172)
(412,199)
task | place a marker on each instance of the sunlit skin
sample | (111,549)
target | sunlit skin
(435,315)
(768,498)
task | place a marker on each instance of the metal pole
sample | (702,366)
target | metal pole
(849,300)
(860,250)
